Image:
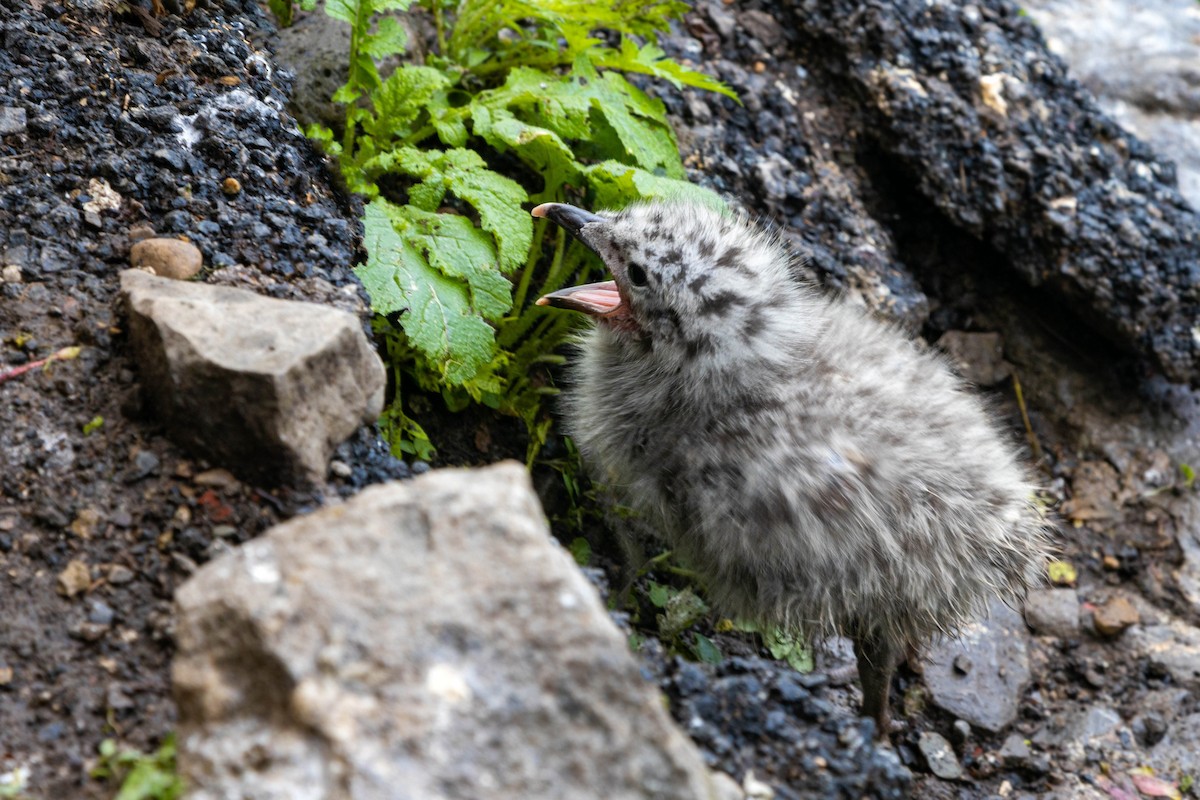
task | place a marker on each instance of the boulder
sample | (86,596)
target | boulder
(267,388)
(428,639)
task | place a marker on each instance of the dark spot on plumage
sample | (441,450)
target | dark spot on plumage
(834,499)
(697,283)
(771,508)
(730,258)
(701,344)
(719,302)
(673,257)
(705,248)
(757,404)
(717,475)
(657,218)
(674,319)
(753,325)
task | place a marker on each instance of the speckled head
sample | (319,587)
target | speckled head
(686,278)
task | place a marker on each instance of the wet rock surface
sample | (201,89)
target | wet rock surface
(751,717)
(1139,59)
(964,104)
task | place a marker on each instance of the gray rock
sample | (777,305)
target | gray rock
(426,639)
(1053,612)
(1095,723)
(987,695)
(267,388)
(1176,645)
(12,120)
(1108,225)
(1179,751)
(1070,731)
(978,357)
(1140,59)
(315,48)
(939,755)
(1015,749)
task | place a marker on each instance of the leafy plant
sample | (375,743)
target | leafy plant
(523,101)
(143,776)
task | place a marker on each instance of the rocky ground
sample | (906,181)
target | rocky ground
(113,122)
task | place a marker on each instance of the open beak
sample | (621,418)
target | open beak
(597,299)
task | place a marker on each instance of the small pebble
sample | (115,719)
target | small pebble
(119,575)
(167,258)
(1115,616)
(231,186)
(100,612)
(11,274)
(144,463)
(939,755)
(74,579)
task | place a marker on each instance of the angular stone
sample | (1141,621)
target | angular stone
(1114,616)
(12,120)
(988,694)
(978,357)
(75,578)
(167,258)
(1053,612)
(426,639)
(1178,753)
(940,756)
(1175,645)
(266,388)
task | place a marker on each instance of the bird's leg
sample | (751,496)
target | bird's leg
(876,663)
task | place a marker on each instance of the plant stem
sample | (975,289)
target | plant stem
(440,21)
(535,253)
(64,354)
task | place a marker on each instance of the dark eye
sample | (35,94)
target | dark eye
(637,275)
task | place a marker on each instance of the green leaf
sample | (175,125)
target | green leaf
(1189,475)
(681,611)
(389,39)
(706,650)
(1061,573)
(465,174)
(93,425)
(660,594)
(650,59)
(616,185)
(789,647)
(581,551)
(402,100)
(587,104)
(539,148)
(405,273)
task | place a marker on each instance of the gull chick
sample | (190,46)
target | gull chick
(820,471)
